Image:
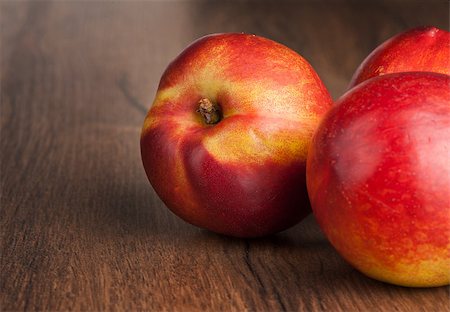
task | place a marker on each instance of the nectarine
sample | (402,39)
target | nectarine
(225,143)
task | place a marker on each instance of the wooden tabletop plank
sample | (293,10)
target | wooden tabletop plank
(81,228)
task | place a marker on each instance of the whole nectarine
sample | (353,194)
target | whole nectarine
(225,143)
(378,177)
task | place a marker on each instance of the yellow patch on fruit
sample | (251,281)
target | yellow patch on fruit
(242,139)
(425,273)
(421,265)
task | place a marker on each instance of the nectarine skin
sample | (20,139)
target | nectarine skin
(419,49)
(245,175)
(378,178)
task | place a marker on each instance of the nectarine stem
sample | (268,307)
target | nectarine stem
(211,112)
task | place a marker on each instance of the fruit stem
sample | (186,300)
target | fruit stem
(210,112)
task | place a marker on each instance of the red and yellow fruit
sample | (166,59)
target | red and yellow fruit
(419,49)
(225,142)
(378,177)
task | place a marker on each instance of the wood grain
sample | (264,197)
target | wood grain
(81,229)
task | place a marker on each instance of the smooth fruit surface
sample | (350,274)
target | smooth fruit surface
(378,178)
(419,49)
(225,142)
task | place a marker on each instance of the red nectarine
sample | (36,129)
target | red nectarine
(378,178)
(419,49)
(225,143)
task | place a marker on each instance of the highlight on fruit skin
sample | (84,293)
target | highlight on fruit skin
(419,49)
(378,178)
(224,144)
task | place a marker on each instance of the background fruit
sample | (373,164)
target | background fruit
(378,177)
(225,142)
(418,49)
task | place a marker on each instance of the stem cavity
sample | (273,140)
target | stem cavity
(210,112)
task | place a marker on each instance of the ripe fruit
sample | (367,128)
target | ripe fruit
(225,142)
(419,49)
(378,178)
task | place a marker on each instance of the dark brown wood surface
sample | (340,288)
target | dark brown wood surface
(81,228)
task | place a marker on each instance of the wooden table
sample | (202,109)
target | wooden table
(81,228)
